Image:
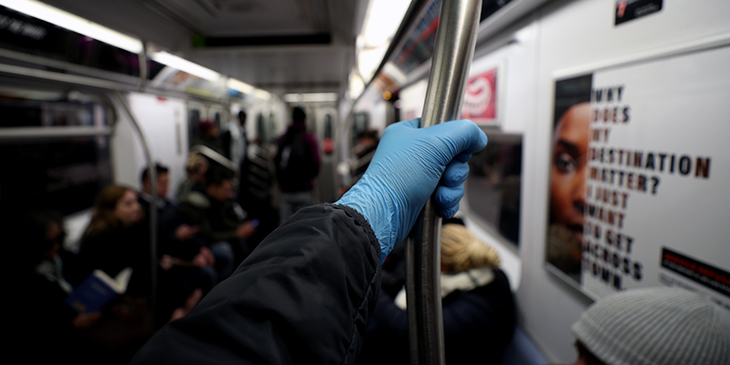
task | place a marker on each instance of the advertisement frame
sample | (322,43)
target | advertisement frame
(668,52)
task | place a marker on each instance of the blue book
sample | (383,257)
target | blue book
(97,290)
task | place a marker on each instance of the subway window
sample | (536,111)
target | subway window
(42,169)
(493,185)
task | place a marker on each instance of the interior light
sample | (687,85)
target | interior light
(74,23)
(356,85)
(240,86)
(261,94)
(185,65)
(381,22)
(310,97)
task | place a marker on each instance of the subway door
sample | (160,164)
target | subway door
(162,121)
(326,123)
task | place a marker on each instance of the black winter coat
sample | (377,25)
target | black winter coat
(305,295)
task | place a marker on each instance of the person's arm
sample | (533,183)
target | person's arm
(303,296)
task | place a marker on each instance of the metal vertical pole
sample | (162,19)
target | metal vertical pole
(452,56)
(153,194)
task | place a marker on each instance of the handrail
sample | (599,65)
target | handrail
(44,133)
(453,52)
(215,156)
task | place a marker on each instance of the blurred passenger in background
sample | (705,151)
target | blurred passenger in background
(195,168)
(187,269)
(657,326)
(297,164)
(478,306)
(116,239)
(234,140)
(367,143)
(223,224)
(47,329)
(210,136)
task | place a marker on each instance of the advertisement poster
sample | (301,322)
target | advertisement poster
(480,98)
(640,166)
(627,10)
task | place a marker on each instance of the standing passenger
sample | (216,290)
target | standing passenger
(297,164)
(234,141)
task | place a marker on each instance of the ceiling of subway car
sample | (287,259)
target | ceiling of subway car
(276,45)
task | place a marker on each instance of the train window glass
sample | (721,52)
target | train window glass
(64,176)
(193,126)
(29,108)
(418,47)
(493,185)
(490,7)
(328,126)
(261,127)
(360,123)
(271,128)
(217,119)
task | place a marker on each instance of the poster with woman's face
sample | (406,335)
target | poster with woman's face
(567,174)
(639,171)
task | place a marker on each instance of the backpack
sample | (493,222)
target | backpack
(294,162)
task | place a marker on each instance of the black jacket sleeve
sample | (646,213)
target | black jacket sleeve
(304,295)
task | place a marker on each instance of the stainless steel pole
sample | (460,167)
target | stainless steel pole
(153,194)
(453,52)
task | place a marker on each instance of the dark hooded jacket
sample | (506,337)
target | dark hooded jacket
(304,296)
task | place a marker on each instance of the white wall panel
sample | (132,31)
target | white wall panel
(163,122)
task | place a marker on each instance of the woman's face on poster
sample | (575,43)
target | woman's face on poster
(568,168)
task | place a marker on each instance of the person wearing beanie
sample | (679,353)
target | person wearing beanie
(653,326)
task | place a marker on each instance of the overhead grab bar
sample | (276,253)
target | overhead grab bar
(453,52)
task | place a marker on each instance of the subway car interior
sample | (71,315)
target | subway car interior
(603,173)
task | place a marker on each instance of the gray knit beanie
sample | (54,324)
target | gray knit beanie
(656,326)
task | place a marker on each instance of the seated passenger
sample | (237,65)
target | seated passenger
(115,239)
(187,271)
(658,326)
(221,227)
(195,168)
(478,307)
(48,324)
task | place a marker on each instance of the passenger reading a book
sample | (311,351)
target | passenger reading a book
(42,317)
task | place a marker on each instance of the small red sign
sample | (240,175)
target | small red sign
(480,99)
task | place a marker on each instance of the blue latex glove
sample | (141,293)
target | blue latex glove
(406,169)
